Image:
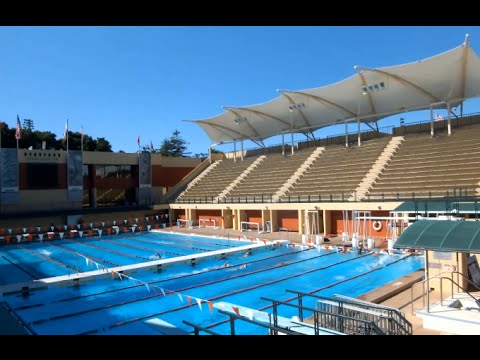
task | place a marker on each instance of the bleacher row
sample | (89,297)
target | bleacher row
(422,167)
(109,227)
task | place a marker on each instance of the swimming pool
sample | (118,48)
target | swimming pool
(107,306)
(28,261)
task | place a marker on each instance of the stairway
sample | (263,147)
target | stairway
(199,177)
(243,175)
(459,315)
(297,174)
(376,169)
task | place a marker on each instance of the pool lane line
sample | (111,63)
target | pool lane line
(222,295)
(21,268)
(207,270)
(170,244)
(319,289)
(53,260)
(153,250)
(148,234)
(18,319)
(113,251)
(96,259)
(81,312)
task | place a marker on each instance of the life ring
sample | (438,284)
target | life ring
(377,225)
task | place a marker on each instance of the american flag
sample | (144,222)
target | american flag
(18,134)
(138,140)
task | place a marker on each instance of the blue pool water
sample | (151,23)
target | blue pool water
(28,261)
(107,306)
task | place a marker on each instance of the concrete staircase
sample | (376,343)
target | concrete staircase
(199,177)
(459,315)
(242,176)
(300,171)
(376,169)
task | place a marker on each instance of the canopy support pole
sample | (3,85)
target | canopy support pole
(346,134)
(234,151)
(210,153)
(449,120)
(283,144)
(432,133)
(291,129)
(241,149)
(428,281)
(358,133)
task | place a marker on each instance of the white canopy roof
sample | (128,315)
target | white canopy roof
(370,95)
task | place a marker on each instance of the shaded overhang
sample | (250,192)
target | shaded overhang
(441,235)
(438,207)
(371,94)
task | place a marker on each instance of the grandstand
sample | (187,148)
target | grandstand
(374,170)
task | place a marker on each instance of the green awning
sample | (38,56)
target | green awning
(438,207)
(442,235)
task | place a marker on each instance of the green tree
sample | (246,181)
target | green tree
(103,145)
(174,146)
(36,138)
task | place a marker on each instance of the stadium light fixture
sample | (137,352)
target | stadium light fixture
(373,87)
(297,106)
(240,120)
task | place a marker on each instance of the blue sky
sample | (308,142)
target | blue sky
(121,82)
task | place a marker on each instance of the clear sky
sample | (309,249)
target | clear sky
(121,82)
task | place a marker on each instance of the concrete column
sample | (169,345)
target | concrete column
(265,217)
(274,219)
(301,221)
(327,219)
(227,215)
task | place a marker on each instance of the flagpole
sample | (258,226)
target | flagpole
(67,136)
(81,141)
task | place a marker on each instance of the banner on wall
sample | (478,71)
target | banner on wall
(75,170)
(9,170)
(144,170)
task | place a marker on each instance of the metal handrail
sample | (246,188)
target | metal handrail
(273,328)
(342,319)
(458,285)
(400,319)
(198,328)
(439,276)
(394,314)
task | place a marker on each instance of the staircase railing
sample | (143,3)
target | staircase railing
(426,294)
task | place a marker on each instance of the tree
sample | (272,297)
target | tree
(175,146)
(103,145)
(205,155)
